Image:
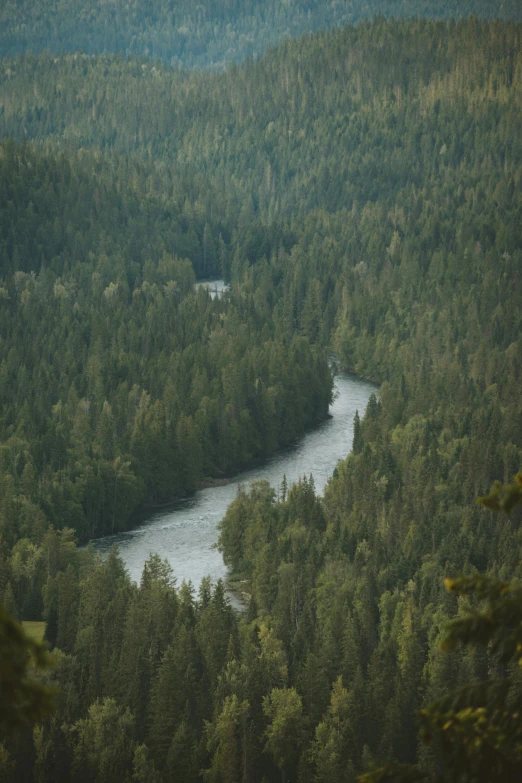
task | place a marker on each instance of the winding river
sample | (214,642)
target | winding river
(185,531)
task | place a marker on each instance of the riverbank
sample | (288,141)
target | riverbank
(367,378)
(185,531)
(241,589)
(210,482)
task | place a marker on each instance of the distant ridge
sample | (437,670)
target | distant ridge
(204,34)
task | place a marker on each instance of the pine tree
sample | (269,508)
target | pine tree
(332,749)
(284,735)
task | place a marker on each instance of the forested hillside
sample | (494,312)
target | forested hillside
(204,34)
(118,382)
(361,189)
(355,116)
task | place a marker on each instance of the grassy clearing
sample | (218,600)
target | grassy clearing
(34,629)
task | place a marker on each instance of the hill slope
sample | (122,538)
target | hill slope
(206,34)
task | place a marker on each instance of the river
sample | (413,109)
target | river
(213,286)
(185,531)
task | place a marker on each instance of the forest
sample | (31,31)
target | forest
(360,189)
(204,34)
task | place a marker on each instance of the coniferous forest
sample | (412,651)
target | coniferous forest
(360,188)
(206,34)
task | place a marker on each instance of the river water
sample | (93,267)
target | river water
(213,286)
(185,532)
